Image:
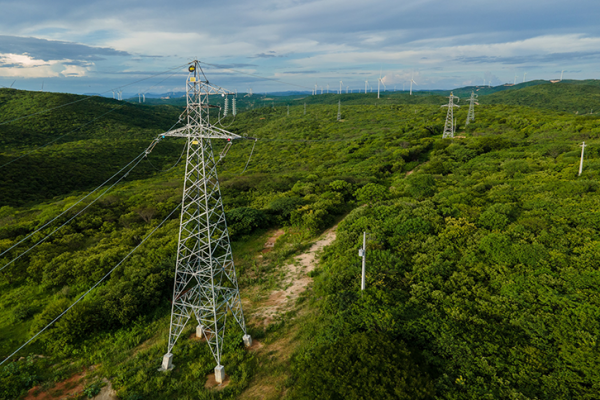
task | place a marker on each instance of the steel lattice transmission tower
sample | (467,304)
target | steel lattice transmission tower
(472,101)
(449,126)
(339,116)
(205,280)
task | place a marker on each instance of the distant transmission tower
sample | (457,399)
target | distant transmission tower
(472,101)
(205,279)
(339,116)
(449,126)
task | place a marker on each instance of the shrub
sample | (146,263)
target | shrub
(371,193)
(244,220)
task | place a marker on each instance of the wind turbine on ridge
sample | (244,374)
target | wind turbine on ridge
(378,83)
(411,82)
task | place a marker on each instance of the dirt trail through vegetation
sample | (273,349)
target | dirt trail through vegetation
(274,357)
(296,279)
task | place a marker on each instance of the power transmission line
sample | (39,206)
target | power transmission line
(92,288)
(138,158)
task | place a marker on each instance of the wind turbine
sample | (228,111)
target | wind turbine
(11,85)
(347,87)
(139,97)
(340,87)
(378,83)
(561,74)
(411,83)
(366,83)
(144,97)
(327,88)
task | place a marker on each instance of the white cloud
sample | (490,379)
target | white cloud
(25,66)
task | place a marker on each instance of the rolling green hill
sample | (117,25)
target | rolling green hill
(482,252)
(566,96)
(89,140)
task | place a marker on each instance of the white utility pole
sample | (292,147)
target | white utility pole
(581,162)
(363,253)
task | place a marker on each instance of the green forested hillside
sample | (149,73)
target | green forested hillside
(87,142)
(481,259)
(582,97)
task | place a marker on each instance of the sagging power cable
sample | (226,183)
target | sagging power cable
(136,160)
(92,288)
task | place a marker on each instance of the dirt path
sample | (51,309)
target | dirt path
(296,279)
(274,357)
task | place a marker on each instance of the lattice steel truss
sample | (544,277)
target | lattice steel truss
(205,279)
(449,126)
(472,101)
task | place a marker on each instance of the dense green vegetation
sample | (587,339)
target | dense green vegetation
(482,279)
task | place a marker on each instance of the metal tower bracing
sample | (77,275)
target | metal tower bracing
(472,101)
(205,279)
(449,126)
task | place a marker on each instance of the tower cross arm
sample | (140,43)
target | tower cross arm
(203,132)
(207,88)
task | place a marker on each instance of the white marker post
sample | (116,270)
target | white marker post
(363,253)
(581,162)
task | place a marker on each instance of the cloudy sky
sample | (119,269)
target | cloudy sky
(95,46)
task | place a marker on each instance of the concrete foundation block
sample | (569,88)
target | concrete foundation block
(247,340)
(199,331)
(219,373)
(167,362)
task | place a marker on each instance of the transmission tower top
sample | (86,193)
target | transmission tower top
(197,113)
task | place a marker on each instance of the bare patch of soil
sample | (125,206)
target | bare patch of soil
(295,282)
(270,243)
(107,392)
(211,383)
(66,389)
(256,345)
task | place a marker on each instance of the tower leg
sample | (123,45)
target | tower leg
(167,362)
(247,340)
(219,373)
(199,331)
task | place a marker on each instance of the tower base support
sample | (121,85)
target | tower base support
(219,373)
(247,340)
(167,362)
(199,331)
